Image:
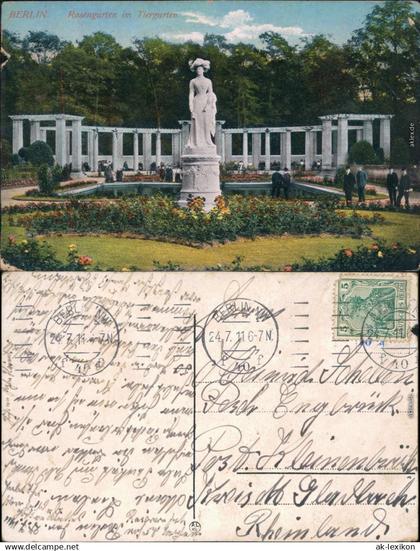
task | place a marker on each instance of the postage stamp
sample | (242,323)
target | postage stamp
(374,305)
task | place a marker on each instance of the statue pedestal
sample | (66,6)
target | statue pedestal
(200,177)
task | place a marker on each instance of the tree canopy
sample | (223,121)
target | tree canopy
(146,84)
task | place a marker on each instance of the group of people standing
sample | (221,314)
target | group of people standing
(280,182)
(402,186)
(393,184)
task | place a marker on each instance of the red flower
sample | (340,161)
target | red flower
(11,239)
(85,260)
(374,247)
(348,252)
(288,268)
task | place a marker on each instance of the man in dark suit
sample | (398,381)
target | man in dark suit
(391,185)
(276,183)
(349,183)
(404,188)
(286,182)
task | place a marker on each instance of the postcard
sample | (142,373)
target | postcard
(201,135)
(187,407)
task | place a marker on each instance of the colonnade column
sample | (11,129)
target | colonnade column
(76,145)
(326,144)
(342,141)
(95,150)
(115,160)
(309,154)
(158,149)
(228,147)
(286,149)
(135,150)
(245,147)
(90,149)
(359,135)
(147,150)
(35,131)
(256,148)
(43,135)
(385,137)
(17,126)
(219,138)
(368,131)
(60,141)
(176,153)
(267,162)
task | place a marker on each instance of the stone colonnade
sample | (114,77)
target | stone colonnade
(334,129)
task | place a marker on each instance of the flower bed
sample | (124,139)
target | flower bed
(246,177)
(158,216)
(32,254)
(378,257)
(141,178)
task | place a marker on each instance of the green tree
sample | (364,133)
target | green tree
(362,152)
(400,154)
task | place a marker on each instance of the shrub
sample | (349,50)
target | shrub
(400,153)
(5,153)
(45,180)
(57,175)
(23,153)
(339,177)
(362,153)
(40,153)
(32,254)
(16,160)
(378,257)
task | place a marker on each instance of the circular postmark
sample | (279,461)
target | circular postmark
(195,527)
(81,338)
(240,335)
(388,339)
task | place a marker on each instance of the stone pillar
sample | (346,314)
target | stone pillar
(326,144)
(76,146)
(43,135)
(95,150)
(256,148)
(286,149)
(147,150)
(385,136)
(176,149)
(245,147)
(342,141)
(158,149)
(267,150)
(35,131)
(359,135)
(228,147)
(218,138)
(60,141)
(185,132)
(309,151)
(115,160)
(120,149)
(90,149)
(68,145)
(368,132)
(17,134)
(135,151)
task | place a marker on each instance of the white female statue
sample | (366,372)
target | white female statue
(200,161)
(202,103)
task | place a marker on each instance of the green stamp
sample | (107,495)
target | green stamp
(374,307)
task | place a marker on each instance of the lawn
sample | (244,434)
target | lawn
(109,251)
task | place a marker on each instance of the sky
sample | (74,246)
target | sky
(179,21)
